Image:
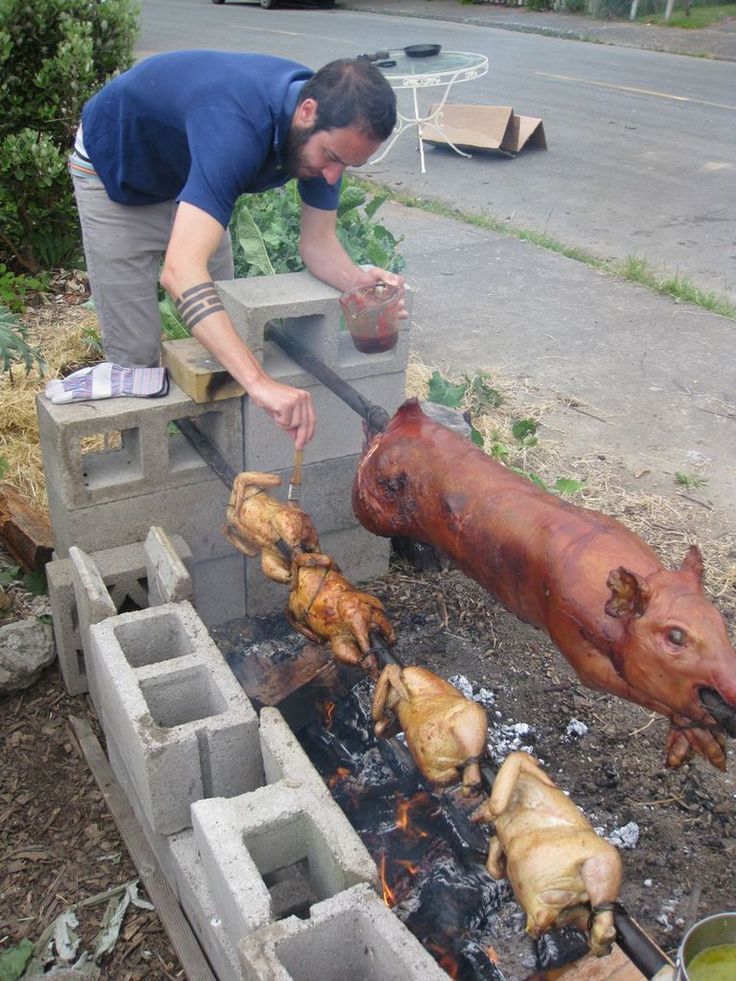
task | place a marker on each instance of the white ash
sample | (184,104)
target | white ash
(575,730)
(503,737)
(482,695)
(624,837)
(508,737)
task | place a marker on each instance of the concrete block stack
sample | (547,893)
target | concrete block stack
(272,877)
(116,467)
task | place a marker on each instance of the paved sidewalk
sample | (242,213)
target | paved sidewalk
(710,42)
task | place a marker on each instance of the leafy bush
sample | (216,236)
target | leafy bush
(14,287)
(54,54)
(265,231)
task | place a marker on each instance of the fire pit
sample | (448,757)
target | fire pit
(429,854)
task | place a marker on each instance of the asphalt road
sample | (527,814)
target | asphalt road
(641,157)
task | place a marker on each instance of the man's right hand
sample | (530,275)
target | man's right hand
(290,408)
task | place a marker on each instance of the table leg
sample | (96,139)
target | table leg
(422,168)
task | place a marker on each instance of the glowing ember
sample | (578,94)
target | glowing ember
(327,708)
(340,774)
(492,955)
(446,959)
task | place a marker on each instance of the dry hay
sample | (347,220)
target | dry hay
(57,330)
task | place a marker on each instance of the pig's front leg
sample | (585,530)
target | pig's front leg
(683,742)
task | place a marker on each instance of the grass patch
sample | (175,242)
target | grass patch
(698,16)
(631,268)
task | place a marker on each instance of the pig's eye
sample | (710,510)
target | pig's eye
(676,636)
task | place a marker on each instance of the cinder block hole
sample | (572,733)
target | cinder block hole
(130,595)
(152,640)
(292,841)
(81,667)
(181,697)
(111,457)
(311,331)
(347,945)
(182,455)
(290,890)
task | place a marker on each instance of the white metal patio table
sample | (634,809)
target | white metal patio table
(444,69)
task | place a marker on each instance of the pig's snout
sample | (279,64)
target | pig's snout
(724,713)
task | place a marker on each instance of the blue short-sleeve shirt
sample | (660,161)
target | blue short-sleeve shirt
(202,127)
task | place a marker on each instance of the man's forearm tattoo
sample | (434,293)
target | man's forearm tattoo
(198,302)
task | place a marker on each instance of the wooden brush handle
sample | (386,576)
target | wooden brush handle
(297,476)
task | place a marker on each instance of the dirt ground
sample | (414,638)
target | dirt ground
(60,846)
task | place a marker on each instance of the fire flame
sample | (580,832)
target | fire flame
(403,808)
(388,896)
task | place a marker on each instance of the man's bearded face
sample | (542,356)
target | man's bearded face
(293,158)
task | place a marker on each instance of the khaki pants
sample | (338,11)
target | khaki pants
(124,246)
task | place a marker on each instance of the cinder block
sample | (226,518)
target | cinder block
(246,841)
(123,572)
(220,588)
(168,578)
(359,554)
(339,428)
(352,935)
(150,455)
(309,307)
(176,712)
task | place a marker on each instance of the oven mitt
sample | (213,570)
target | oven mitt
(108,381)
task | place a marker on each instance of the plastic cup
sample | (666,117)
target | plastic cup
(372,316)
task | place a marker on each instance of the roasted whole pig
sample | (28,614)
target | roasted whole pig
(325,607)
(257,522)
(560,870)
(627,625)
(445,731)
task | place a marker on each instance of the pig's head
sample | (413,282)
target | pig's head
(674,649)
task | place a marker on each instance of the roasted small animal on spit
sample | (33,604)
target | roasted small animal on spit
(628,626)
(324,606)
(257,522)
(445,731)
(561,871)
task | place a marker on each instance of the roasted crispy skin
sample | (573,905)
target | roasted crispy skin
(445,731)
(325,607)
(558,866)
(258,522)
(628,626)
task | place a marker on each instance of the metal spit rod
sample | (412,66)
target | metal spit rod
(376,417)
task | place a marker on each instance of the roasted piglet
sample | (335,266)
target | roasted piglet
(324,606)
(560,869)
(445,731)
(257,522)
(628,626)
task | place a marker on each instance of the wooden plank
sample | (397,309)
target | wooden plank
(183,940)
(197,373)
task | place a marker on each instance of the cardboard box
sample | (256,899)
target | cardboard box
(197,373)
(484,128)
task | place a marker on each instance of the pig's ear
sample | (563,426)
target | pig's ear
(693,562)
(629,593)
